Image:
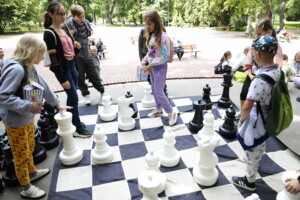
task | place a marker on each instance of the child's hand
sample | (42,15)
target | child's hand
(292,186)
(148,69)
(36,107)
(61,107)
(77,45)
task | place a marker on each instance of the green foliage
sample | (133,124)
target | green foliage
(293,11)
(238,22)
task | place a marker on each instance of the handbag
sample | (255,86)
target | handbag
(140,74)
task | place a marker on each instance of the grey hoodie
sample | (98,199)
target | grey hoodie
(14,111)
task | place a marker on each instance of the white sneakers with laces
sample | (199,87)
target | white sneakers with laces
(87,100)
(157,112)
(33,193)
(172,118)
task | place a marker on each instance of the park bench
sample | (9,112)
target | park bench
(191,48)
(15,29)
(133,39)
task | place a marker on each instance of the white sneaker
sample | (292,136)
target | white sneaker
(39,174)
(33,193)
(87,100)
(157,112)
(172,118)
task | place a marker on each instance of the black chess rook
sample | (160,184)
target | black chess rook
(229,129)
(225,101)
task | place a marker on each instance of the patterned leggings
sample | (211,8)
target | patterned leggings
(252,159)
(22,145)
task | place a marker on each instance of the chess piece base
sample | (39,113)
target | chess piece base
(229,134)
(100,157)
(205,177)
(50,144)
(167,161)
(107,117)
(195,127)
(126,125)
(148,103)
(223,103)
(10,181)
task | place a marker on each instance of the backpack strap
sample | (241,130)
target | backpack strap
(48,30)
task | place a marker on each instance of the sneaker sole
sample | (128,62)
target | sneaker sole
(241,186)
(156,116)
(26,197)
(32,180)
(80,135)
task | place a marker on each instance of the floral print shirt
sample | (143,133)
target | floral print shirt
(158,54)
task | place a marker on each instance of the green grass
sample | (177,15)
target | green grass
(23,28)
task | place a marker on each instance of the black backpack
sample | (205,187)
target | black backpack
(218,69)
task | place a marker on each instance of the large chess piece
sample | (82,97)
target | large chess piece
(9,175)
(125,121)
(49,113)
(149,184)
(108,113)
(47,139)
(196,123)
(148,100)
(253,196)
(205,172)
(206,97)
(102,153)
(129,95)
(208,129)
(284,194)
(152,163)
(169,156)
(71,154)
(2,135)
(39,153)
(224,101)
(229,129)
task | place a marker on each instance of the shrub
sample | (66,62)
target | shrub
(238,22)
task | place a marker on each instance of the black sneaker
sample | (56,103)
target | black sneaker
(243,183)
(298,99)
(82,132)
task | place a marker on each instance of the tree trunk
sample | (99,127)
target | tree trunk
(267,9)
(281,14)
(249,25)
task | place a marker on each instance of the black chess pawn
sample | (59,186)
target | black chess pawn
(47,139)
(135,112)
(40,153)
(50,112)
(206,97)
(9,175)
(2,134)
(229,129)
(196,123)
(224,101)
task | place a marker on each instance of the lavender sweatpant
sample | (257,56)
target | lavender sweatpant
(158,76)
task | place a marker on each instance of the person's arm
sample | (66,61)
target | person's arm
(248,61)
(247,106)
(141,45)
(279,57)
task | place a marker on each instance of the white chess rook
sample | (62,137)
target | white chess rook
(149,184)
(148,100)
(125,121)
(208,129)
(108,113)
(205,172)
(152,163)
(169,156)
(253,196)
(102,153)
(71,154)
(284,194)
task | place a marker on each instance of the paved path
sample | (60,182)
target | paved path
(122,57)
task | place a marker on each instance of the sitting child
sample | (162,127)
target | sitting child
(296,70)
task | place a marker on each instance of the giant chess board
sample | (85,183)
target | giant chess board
(118,179)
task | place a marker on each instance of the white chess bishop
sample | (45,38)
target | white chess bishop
(284,194)
(208,129)
(152,163)
(148,100)
(102,153)
(125,121)
(169,156)
(71,154)
(108,113)
(205,172)
(149,184)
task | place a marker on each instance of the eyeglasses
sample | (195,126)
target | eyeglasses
(61,14)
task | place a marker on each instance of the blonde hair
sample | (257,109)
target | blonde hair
(93,48)
(28,49)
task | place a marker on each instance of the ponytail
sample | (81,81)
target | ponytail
(52,7)
(47,20)
(266,25)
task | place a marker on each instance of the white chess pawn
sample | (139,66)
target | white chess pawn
(169,156)
(284,194)
(125,121)
(148,100)
(152,163)
(71,154)
(149,184)
(208,129)
(253,196)
(102,153)
(108,113)
(205,172)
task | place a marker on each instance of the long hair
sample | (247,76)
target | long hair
(52,8)
(224,57)
(154,17)
(297,54)
(266,25)
(28,49)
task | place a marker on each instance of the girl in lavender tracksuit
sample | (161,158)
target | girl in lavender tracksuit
(155,63)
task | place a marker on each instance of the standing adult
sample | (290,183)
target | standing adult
(61,51)
(79,27)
